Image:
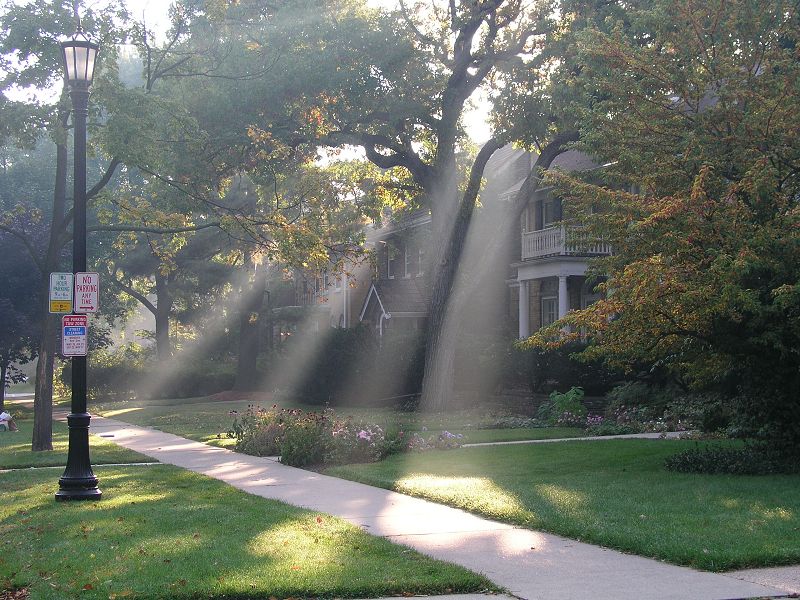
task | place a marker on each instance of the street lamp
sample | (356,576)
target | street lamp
(78,481)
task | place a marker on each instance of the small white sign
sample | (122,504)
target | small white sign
(61,292)
(74,335)
(87,292)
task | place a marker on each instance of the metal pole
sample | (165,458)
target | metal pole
(78,481)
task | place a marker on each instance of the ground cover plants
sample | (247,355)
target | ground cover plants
(311,438)
(163,532)
(615,493)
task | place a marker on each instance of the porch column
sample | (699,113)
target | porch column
(524,310)
(563,297)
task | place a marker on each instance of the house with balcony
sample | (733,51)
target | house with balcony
(550,274)
(541,279)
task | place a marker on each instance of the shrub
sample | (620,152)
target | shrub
(544,370)
(609,428)
(258,432)
(304,439)
(751,459)
(566,408)
(512,422)
(657,397)
(200,378)
(354,442)
(113,372)
(350,368)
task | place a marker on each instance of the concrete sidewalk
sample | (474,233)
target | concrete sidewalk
(531,565)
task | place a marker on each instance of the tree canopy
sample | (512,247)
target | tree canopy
(692,108)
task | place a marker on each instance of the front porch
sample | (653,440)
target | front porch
(547,292)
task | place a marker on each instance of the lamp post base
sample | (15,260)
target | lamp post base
(78,489)
(78,481)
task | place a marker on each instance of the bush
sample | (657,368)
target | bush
(113,373)
(752,459)
(546,370)
(200,378)
(565,409)
(512,422)
(304,439)
(441,441)
(357,442)
(258,432)
(351,368)
(597,425)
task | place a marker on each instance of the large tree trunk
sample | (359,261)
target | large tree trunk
(162,312)
(250,318)
(43,391)
(450,228)
(442,326)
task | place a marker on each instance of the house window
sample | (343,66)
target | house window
(408,263)
(548,211)
(421,261)
(392,265)
(549,310)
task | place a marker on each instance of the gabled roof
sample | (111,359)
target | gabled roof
(397,298)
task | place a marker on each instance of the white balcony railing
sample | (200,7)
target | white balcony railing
(560,241)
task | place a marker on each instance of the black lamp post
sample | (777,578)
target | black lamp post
(78,481)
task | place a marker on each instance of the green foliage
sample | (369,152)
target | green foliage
(351,368)
(647,406)
(564,409)
(303,440)
(690,107)
(116,373)
(639,393)
(548,369)
(751,459)
(197,378)
(316,438)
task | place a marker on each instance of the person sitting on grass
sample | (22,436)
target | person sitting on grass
(7,422)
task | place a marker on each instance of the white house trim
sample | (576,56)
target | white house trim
(372,290)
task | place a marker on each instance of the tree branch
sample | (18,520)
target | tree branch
(132,292)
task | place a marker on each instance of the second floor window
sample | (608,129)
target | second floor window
(548,211)
(392,262)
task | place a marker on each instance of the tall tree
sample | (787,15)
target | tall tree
(692,107)
(399,89)
(18,314)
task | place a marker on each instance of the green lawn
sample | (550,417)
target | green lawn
(162,532)
(207,421)
(615,493)
(15,449)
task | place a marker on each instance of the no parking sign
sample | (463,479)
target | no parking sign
(74,335)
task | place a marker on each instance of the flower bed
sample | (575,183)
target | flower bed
(324,438)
